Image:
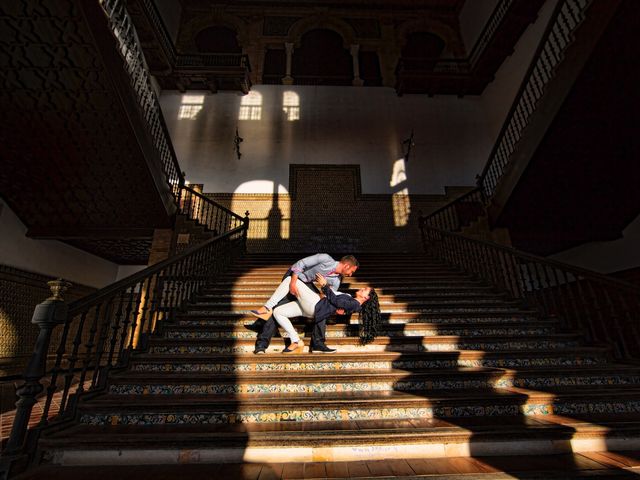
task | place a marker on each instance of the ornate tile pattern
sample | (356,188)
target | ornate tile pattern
(278,415)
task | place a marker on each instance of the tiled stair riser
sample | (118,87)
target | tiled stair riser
(383,311)
(345,333)
(354,414)
(410,304)
(402,385)
(243,320)
(296,366)
(410,347)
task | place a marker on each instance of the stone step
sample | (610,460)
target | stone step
(502,318)
(111,409)
(345,361)
(384,302)
(250,295)
(353,284)
(144,383)
(339,441)
(409,291)
(457,310)
(402,344)
(410,277)
(335,331)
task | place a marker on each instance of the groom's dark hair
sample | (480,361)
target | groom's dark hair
(351,260)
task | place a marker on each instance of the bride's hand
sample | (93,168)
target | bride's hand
(321,280)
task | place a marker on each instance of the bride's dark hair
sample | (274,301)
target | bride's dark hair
(370,318)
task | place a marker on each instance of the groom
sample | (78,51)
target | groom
(305,270)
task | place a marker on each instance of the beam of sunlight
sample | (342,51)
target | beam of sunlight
(272,223)
(251,106)
(291,105)
(401,207)
(400,200)
(399,173)
(191,106)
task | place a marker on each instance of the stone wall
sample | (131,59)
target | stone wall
(325,210)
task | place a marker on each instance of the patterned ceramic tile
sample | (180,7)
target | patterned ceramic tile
(278,415)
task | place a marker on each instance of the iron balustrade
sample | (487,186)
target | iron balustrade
(558,36)
(209,60)
(213,216)
(459,212)
(195,206)
(489,30)
(567,18)
(102,330)
(129,46)
(604,309)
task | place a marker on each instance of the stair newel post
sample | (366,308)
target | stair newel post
(245,231)
(55,372)
(47,315)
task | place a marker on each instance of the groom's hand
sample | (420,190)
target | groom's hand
(293,287)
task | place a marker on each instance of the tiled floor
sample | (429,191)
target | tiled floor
(600,465)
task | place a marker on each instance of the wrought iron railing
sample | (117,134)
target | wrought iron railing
(459,212)
(206,212)
(490,28)
(211,60)
(192,60)
(101,331)
(129,46)
(604,309)
(559,35)
(213,216)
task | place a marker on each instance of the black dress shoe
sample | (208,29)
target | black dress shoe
(323,349)
(259,351)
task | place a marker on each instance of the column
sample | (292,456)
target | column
(357,81)
(288,79)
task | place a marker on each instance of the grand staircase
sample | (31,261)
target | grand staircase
(458,369)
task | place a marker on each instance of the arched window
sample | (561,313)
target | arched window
(217,39)
(251,106)
(322,59)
